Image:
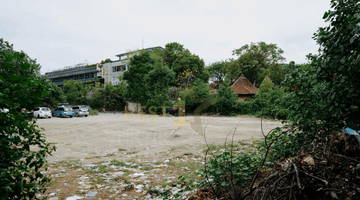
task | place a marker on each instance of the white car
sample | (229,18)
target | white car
(42,112)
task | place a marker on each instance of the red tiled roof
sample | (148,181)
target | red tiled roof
(243,86)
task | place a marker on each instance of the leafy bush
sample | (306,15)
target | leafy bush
(223,168)
(197,99)
(94,112)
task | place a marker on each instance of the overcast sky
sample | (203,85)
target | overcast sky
(65,33)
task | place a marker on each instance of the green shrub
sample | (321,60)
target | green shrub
(197,99)
(220,169)
(94,112)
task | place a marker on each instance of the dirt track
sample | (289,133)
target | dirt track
(101,135)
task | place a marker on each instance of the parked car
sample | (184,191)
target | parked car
(29,113)
(80,111)
(63,111)
(172,110)
(42,112)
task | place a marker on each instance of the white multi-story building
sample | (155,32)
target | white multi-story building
(108,72)
(114,69)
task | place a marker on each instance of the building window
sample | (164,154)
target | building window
(119,68)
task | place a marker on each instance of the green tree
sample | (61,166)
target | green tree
(226,99)
(254,59)
(55,93)
(187,66)
(20,87)
(76,91)
(114,97)
(197,97)
(217,71)
(158,88)
(140,66)
(266,86)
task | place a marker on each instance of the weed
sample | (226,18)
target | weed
(120,149)
(93,157)
(118,163)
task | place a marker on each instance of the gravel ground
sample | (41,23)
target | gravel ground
(110,156)
(83,138)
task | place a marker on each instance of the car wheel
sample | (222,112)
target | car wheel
(85,115)
(176,113)
(38,116)
(49,117)
(71,116)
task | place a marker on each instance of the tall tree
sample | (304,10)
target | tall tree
(217,71)
(187,66)
(148,80)
(158,88)
(55,93)
(140,65)
(20,165)
(254,59)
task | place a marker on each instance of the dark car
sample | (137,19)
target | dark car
(172,110)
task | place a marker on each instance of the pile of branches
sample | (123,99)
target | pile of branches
(328,170)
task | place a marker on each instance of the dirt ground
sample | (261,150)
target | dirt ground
(120,135)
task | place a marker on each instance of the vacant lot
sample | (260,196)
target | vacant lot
(113,135)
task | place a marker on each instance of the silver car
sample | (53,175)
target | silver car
(80,111)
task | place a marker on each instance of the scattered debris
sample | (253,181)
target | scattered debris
(73,198)
(324,172)
(91,194)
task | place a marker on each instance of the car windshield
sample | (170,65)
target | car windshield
(45,109)
(68,109)
(83,107)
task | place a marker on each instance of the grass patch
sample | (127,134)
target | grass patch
(118,163)
(110,154)
(120,149)
(93,157)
